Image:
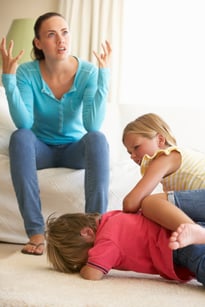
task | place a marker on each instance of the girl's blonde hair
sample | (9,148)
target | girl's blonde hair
(149,125)
(67,250)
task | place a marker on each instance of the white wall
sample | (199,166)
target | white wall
(175,28)
(165,53)
(12,9)
(165,65)
(187,125)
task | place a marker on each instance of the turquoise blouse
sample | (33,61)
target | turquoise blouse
(55,121)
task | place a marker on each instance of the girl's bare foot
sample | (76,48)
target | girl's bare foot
(35,246)
(187,234)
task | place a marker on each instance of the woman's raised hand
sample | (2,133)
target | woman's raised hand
(9,63)
(104,57)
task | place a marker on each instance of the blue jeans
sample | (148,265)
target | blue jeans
(192,256)
(28,154)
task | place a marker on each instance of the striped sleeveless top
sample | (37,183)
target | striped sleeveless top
(190,175)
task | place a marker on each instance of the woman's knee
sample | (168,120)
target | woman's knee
(21,137)
(97,141)
(21,134)
(96,137)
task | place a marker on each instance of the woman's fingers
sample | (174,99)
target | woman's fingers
(103,58)
(9,62)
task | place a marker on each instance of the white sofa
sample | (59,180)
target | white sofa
(61,189)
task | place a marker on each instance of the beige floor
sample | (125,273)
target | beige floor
(28,281)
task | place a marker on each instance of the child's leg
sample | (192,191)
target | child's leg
(192,202)
(187,234)
(157,208)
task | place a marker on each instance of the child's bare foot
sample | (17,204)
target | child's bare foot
(35,246)
(187,234)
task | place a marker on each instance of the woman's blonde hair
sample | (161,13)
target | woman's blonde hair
(67,250)
(149,125)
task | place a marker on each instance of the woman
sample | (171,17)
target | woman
(57,103)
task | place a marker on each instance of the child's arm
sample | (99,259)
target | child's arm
(158,168)
(90,273)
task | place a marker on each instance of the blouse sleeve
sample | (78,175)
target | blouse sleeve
(20,100)
(94,99)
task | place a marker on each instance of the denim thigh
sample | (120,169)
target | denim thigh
(192,202)
(193,258)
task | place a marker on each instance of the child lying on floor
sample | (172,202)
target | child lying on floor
(93,244)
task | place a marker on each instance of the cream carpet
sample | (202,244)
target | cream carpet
(29,281)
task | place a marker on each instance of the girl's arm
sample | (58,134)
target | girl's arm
(158,168)
(90,273)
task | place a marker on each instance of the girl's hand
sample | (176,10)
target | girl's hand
(104,57)
(9,63)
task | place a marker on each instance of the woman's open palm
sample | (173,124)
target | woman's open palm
(104,57)
(9,63)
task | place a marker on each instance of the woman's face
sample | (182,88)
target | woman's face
(54,38)
(138,146)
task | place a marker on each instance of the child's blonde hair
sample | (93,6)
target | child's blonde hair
(149,125)
(67,250)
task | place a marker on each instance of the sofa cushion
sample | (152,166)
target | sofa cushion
(6,124)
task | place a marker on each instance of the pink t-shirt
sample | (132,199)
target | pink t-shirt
(127,241)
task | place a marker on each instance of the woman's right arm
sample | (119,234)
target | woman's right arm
(21,113)
(9,63)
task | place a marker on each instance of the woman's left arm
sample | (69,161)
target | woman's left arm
(104,57)
(96,91)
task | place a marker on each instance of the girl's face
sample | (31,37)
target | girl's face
(54,38)
(138,146)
